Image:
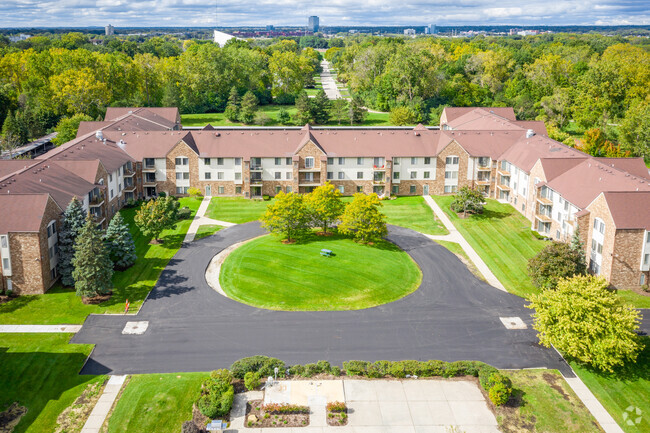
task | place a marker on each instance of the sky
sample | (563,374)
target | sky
(164,13)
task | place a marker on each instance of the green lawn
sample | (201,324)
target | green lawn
(41,372)
(617,392)
(542,401)
(61,305)
(236,210)
(412,213)
(206,230)
(630,297)
(156,403)
(269,274)
(503,239)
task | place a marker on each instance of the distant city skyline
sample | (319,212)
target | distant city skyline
(191,13)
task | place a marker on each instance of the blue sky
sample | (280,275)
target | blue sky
(55,13)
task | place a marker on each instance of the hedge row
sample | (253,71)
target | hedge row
(284,408)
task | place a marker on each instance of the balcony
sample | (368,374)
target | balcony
(149,181)
(379,167)
(503,172)
(129,188)
(483,181)
(309,170)
(256,167)
(544,201)
(148,167)
(96,201)
(256,180)
(543,218)
(129,173)
(503,187)
(484,168)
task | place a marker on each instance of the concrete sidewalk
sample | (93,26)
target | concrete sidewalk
(39,328)
(595,407)
(328,82)
(104,404)
(200,220)
(455,236)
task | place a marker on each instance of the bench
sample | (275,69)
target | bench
(326,253)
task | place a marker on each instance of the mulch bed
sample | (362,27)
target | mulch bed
(337,418)
(254,408)
(5,298)
(11,417)
(96,299)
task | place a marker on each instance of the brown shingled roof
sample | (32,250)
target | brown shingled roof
(8,166)
(22,212)
(527,151)
(150,113)
(86,127)
(86,170)
(630,210)
(634,166)
(453,113)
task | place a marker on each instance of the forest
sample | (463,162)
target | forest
(587,86)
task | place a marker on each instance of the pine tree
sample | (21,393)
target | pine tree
(578,247)
(93,268)
(320,108)
(11,134)
(339,110)
(232,108)
(283,116)
(248,107)
(121,248)
(73,221)
(357,112)
(304,112)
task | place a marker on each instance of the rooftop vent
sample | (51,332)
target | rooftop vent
(99,135)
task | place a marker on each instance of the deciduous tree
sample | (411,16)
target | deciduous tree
(325,205)
(401,115)
(287,216)
(362,218)
(557,260)
(468,200)
(232,109)
(357,112)
(93,268)
(67,128)
(339,110)
(157,215)
(586,321)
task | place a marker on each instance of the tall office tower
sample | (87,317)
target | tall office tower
(312,25)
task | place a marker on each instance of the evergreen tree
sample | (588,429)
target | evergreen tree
(232,108)
(283,116)
(248,107)
(73,222)
(339,110)
(119,242)
(579,248)
(357,112)
(303,106)
(320,108)
(93,268)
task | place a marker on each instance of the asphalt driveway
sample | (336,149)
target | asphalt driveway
(452,316)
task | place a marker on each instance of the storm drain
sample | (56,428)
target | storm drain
(513,322)
(135,328)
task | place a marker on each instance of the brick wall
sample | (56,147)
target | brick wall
(626,261)
(180,149)
(599,209)
(437,187)
(27,263)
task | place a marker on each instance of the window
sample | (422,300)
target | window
(412,189)
(330,161)
(238,190)
(220,190)
(51,229)
(237,176)
(341,175)
(451,160)
(523,207)
(186,175)
(642,280)
(110,177)
(112,192)
(278,161)
(330,175)
(450,189)
(341,189)
(395,189)
(220,175)
(289,189)
(179,176)
(309,177)
(119,187)
(451,175)
(646,259)
(278,189)
(208,175)
(483,161)
(309,162)
(50,252)
(427,174)
(182,189)
(414,174)
(278,175)
(359,161)
(359,174)
(427,160)
(396,175)
(359,188)
(287,161)
(414,161)
(341,161)
(288,175)
(396,161)
(237,161)
(206,161)
(5,263)
(219,161)
(182,161)
(149,162)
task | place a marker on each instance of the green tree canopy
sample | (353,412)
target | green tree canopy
(586,322)
(67,128)
(362,218)
(157,215)
(287,216)
(557,260)
(468,200)
(119,243)
(402,115)
(93,268)
(339,110)
(73,221)
(232,109)
(248,107)
(325,205)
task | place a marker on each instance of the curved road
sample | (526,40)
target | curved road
(452,316)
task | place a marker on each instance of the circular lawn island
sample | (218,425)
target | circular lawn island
(267,273)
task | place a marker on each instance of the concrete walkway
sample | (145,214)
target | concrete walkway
(103,405)
(328,82)
(39,328)
(200,220)
(455,236)
(595,407)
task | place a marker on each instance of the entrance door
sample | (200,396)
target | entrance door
(208,190)
(426,190)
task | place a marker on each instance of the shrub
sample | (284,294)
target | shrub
(217,394)
(336,406)
(284,408)
(499,394)
(184,213)
(310,370)
(379,369)
(335,370)
(396,369)
(131,203)
(467,200)
(162,194)
(323,366)
(466,368)
(296,370)
(251,380)
(195,192)
(484,373)
(189,427)
(266,197)
(356,368)
(412,367)
(263,364)
(556,261)
(433,368)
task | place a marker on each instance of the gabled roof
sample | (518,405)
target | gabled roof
(634,166)
(553,167)
(481,143)
(189,140)
(91,126)
(537,126)
(90,148)
(22,212)
(144,144)
(308,137)
(453,113)
(527,151)
(155,114)
(482,119)
(629,209)
(8,166)
(86,170)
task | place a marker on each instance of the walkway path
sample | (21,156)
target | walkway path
(328,82)
(455,236)
(595,407)
(200,219)
(39,328)
(103,405)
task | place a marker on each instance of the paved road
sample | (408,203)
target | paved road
(328,82)
(452,316)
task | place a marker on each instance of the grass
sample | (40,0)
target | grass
(503,239)
(269,274)
(40,372)
(412,213)
(462,255)
(62,305)
(543,401)
(218,119)
(156,403)
(630,297)
(629,387)
(207,230)
(237,210)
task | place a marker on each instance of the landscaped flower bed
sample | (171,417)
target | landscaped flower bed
(275,415)
(337,413)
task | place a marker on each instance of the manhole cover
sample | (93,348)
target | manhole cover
(513,322)
(135,328)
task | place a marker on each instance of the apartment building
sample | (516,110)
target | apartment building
(140,152)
